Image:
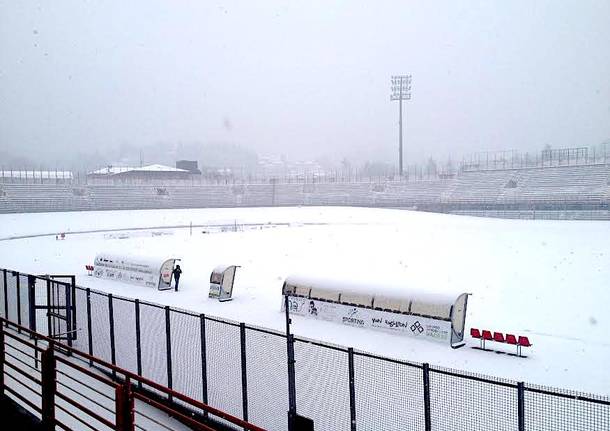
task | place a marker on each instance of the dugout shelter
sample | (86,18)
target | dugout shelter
(155,272)
(221,282)
(435,316)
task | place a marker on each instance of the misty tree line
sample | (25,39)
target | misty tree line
(226,162)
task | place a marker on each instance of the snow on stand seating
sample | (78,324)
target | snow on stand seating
(499,337)
(145,271)
(437,317)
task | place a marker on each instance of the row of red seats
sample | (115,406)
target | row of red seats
(499,337)
(89,269)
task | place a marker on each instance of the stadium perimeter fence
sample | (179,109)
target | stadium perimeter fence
(242,369)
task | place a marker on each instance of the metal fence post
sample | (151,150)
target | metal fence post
(112,346)
(352,389)
(244,376)
(427,415)
(18,284)
(292,398)
(32,302)
(71,334)
(49,303)
(48,387)
(124,407)
(138,342)
(73,304)
(521,405)
(168,348)
(89,335)
(204,366)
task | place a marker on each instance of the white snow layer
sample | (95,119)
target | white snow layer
(544,279)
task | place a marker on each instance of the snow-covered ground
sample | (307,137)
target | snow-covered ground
(544,279)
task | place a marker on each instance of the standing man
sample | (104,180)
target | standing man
(176,273)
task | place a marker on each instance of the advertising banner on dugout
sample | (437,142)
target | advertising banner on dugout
(415,326)
(134,274)
(152,272)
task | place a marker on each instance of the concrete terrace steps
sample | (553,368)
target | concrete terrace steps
(569,184)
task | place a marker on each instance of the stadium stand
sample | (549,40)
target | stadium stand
(565,192)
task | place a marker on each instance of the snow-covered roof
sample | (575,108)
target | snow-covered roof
(374,288)
(222,268)
(159,168)
(111,170)
(36,174)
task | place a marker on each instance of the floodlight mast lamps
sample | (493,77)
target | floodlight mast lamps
(401,90)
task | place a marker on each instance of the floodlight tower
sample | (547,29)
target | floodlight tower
(401,90)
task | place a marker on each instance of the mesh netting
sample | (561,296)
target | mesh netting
(153,343)
(40,297)
(462,404)
(186,354)
(100,326)
(564,410)
(322,385)
(24,300)
(59,325)
(125,334)
(267,374)
(82,335)
(11,292)
(389,395)
(223,360)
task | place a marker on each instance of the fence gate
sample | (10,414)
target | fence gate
(52,307)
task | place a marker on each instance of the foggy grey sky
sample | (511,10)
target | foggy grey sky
(304,79)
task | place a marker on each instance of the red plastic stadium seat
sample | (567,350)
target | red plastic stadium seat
(475,333)
(524,341)
(511,339)
(487,335)
(498,337)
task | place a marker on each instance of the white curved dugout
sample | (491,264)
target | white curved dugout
(153,272)
(439,317)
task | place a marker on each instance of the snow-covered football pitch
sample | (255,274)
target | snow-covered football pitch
(547,280)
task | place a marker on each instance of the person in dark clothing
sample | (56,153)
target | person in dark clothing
(176,273)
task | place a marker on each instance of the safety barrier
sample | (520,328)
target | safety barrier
(243,370)
(56,383)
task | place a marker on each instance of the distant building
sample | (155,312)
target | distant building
(146,175)
(188,165)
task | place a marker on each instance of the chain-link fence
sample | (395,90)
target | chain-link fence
(242,369)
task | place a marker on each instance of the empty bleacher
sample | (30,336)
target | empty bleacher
(560,183)
(578,192)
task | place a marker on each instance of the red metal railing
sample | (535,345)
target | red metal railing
(45,378)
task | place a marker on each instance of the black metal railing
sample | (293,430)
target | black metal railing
(243,369)
(63,391)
